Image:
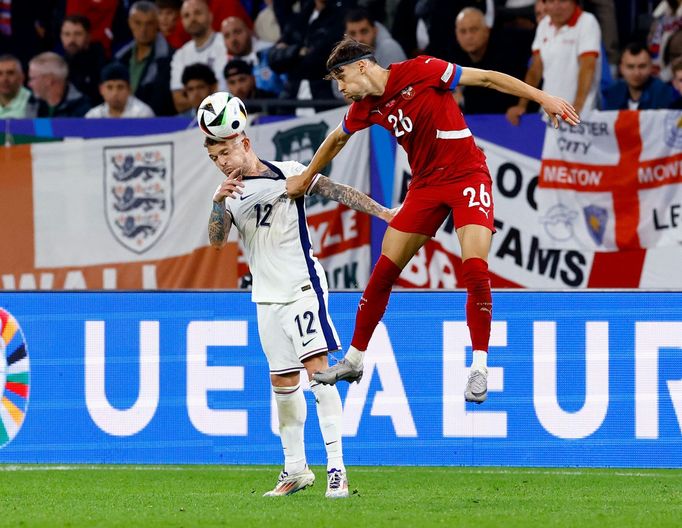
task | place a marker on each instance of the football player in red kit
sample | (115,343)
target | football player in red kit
(413,100)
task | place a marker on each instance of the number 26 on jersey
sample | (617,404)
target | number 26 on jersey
(401,123)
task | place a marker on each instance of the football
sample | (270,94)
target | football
(221,116)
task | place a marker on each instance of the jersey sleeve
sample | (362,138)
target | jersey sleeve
(356,119)
(438,73)
(589,40)
(294,168)
(176,72)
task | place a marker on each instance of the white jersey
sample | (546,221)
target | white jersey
(560,49)
(213,53)
(276,239)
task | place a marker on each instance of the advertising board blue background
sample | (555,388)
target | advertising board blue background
(59,427)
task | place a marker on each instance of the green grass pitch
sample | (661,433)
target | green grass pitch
(206,496)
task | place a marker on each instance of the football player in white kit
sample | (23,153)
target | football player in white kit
(290,292)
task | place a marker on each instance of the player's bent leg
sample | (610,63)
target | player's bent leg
(475,241)
(397,249)
(291,411)
(329,411)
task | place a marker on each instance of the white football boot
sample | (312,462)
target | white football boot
(337,484)
(289,484)
(477,386)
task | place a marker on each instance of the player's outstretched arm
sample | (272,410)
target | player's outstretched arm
(219,224)
(351,197)
(556,107)
(330,147)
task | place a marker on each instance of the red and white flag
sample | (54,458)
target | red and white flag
(614,182)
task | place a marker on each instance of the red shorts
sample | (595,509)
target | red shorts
(426,208)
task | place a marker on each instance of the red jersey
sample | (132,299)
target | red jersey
(418,107)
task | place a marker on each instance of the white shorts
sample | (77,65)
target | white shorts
(293,332)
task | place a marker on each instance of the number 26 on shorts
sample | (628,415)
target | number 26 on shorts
(483,196)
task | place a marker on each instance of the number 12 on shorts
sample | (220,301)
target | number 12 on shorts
(307,316)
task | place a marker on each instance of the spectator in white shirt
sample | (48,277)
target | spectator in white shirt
(566,57)
(118,98)
(206,47)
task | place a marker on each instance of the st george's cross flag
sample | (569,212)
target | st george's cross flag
(614,182)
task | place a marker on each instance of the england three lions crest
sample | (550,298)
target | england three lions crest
(138,193)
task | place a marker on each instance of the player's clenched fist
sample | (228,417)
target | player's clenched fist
(297,185)
(230,186)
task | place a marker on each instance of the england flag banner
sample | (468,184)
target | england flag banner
(131,212)
(614,182)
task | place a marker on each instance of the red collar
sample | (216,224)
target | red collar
(574,17)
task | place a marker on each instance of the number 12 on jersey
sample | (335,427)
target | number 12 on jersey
(263,214)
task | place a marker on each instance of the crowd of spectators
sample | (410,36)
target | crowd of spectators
(126,58)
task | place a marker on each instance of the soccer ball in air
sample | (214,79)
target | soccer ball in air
(221,116)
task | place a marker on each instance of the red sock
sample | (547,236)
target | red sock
(374,300)
(479,301)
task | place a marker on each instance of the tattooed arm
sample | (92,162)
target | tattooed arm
(219,224)
(351,197)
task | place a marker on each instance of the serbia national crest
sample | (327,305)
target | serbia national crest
(138,193)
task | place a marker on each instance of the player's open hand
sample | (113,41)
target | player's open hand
(230,187)
(558,108)
(296,185)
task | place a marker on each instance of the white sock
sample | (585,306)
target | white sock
(292,411)
(480,361)
(355,357)
(329,412)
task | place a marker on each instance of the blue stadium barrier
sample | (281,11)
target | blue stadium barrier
(576,379)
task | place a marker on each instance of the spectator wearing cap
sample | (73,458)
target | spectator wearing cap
(241,43)
(242,83)
(14,98)
(85,58)
(117,94)
(638,89)
(148,58)
(199,82)
(54,95)
(362,27)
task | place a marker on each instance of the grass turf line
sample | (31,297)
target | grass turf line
(175,496)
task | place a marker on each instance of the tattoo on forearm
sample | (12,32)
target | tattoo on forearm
(216,224)
(348,196)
